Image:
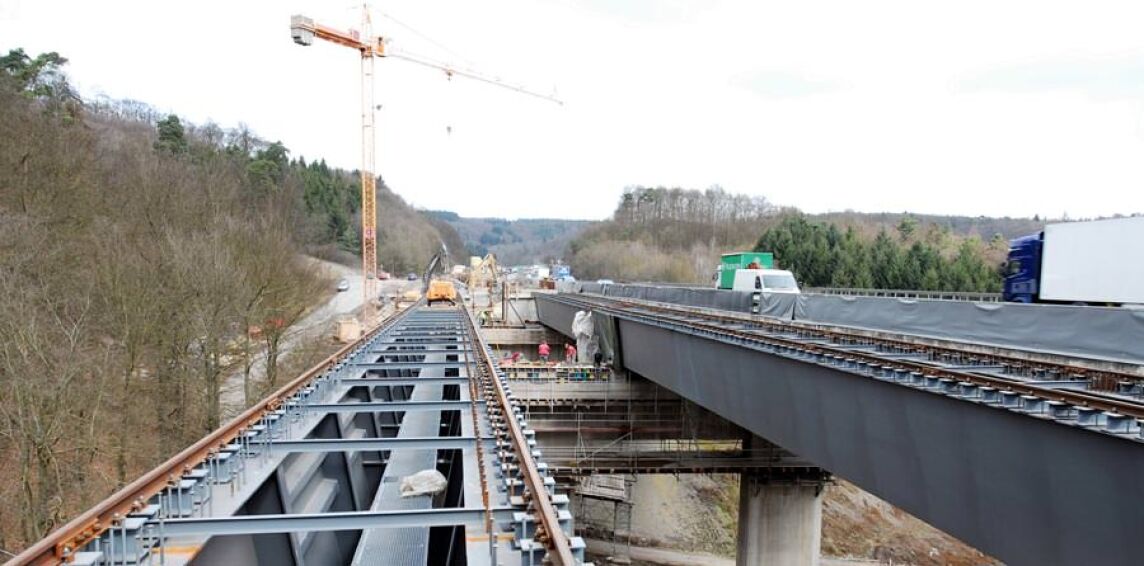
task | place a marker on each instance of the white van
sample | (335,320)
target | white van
(765,280)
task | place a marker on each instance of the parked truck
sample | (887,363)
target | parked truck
(1100,262)
(732,262)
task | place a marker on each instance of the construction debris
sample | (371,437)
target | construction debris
(425,482)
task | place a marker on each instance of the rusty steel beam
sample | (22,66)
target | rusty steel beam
(559,547)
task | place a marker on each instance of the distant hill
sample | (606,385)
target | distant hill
(676,235)
(515,242)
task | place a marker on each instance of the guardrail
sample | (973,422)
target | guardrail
(907,294)
(849,291)
(59,545)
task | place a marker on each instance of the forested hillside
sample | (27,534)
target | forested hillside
(676,235)
(406,238)
(984,227)
(824,255)
(515,242)
(136,253)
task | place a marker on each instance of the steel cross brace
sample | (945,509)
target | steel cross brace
(369,444)
(390,406)
(342,521)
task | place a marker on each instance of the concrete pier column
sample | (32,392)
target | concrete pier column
(780,519)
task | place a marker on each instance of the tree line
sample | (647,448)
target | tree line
(677,235)
(641,205)
(668,234)
(823,255)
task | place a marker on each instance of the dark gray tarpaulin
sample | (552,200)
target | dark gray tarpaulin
(778,305)
(692,296)
(1028,490)
(1091,332)
(1100,332)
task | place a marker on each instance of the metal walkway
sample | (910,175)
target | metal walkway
(313,474)
(1032,461)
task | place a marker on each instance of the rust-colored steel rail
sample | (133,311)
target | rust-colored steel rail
(474,397)
(559,548)
(57,547)
(1103,378)
(676,316)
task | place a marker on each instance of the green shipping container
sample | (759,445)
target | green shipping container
(740,260)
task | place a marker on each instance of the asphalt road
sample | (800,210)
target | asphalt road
(345,303)
(318,322)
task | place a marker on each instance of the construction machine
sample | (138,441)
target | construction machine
(484,273)
(441,291)
(438,290)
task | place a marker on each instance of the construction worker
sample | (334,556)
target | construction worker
(569,353)
(754,265)
(544,349)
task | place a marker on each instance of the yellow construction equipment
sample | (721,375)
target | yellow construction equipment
(483,273)
(441,291)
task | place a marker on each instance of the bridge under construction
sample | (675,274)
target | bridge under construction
(421,444)
(405,447)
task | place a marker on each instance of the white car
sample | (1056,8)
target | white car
(343,285)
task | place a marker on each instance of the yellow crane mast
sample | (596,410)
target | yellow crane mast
(304,31)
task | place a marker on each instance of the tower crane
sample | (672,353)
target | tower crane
(304,30)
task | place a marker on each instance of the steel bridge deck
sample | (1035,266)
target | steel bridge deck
(312,475)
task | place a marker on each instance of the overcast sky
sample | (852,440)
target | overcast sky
(959,107)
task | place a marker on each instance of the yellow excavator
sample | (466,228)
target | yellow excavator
(438,290)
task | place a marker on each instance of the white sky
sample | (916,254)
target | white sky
(958,107)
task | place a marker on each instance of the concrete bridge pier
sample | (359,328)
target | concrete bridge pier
(780,518)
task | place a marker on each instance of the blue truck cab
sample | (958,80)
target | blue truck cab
(1023,269)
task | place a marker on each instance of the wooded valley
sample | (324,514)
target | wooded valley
(145,261)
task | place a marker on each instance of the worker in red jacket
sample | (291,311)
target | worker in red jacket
(569,353)
(544,350)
